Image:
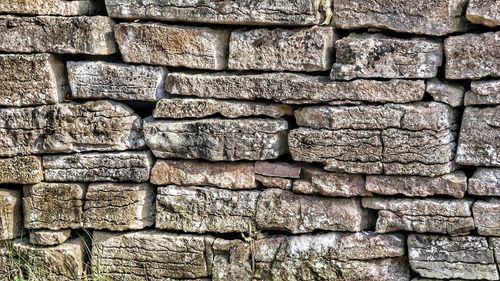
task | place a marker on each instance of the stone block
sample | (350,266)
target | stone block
(487,217)
(21,170)
(49,7)
(49,237)
(485,182)
(324,183)
(485,92)
(485,12)
(11,214)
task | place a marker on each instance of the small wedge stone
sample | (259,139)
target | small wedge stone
(452,94)
(277,169)
(49,237)
(485,182)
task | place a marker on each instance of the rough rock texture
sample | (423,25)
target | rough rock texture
(479,144)
(175,108)
(49,7)
(487,217)
(452,94)
(29,80)
(283,210)
(277,169)
(64,35)
(472,56)
(305,49)
(21,170)
(49,237)
(53,206)
(166,256)
(443,257)
(198,173)
(454,184)
(444,216)
(486,92)
(380,56)
(217,139)
(11,214)
(172,45)
(486,12)
(485,182)
(281,12)
(232,260)
(330,184)
(205,209)
(119,206)
(96,167)
(116,81)
(430,17)
(274,182)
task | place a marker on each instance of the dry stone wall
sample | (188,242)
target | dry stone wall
(239,140)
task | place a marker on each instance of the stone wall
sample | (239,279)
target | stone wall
(240,140)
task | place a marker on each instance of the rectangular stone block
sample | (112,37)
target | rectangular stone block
(119,206)
(217,139)
(279,49)
(444,91)
(324,183)
(293,88)
(281,12)
(444,216)
(444,257)
(29,80)
(487,217)
(21,170)
(283,210)
(49,7)
(198,173)
(485,182)
(63,35)
(380,56)
(116,81)
(429,17)
(49,237)
(485,12)
(205,209)
(172,45)
(485,92)
(479,144)
(472,56)
(11,214)
(98,167)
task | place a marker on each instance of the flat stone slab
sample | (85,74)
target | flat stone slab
(485,182)
(49,7)
(443,91)
(62,35)
(11,214)
(274,182)
(98,167)
(305,49)
(484,92)
(217,139)
(485,12)
(277,169)
(325,183)
(172,45)
(49,237)
(21,170)
(380,56)
(487,216)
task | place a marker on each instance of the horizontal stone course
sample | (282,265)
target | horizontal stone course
(49,7)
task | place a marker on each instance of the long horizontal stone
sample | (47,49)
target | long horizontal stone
(443,91)
(306,12)
(49,7)
(277,169)
(486,12)
(21,170)
(282,49)
(279,209)
(205,209)
(444,257)
(63,35)
(487,217)
(479,144)
(11,214)
(29,80)
(444,216)
(98,167)
(116,81)
(217,139)
(472,56)
(485,182)
(380,56)
(292,88)
(172,45)
(485,92)
(49,237)
(429,17)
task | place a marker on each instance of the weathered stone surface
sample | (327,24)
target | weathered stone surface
(305,49)
(330,184)
(454,184)
(205,209)
(49,7)
(279,209)
(199,108)
(53,206)
(452,94)
(49,237)
(472,56)
(274,182)
(151,254)
(445,216)
(232,261)
(172,45)
(304,12)
(486,92)
(277,169)
(379,56)
(495,242)
(29,80)
(199,173)
(69,127)
(21,170)
(487,217)
(479,144)
(486,12)
(11,214)
(444,257)
(116,81)
(119,206)
(95,167)
(64,35)
(217,139)
(430,17)
(293,88)
(485,182)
